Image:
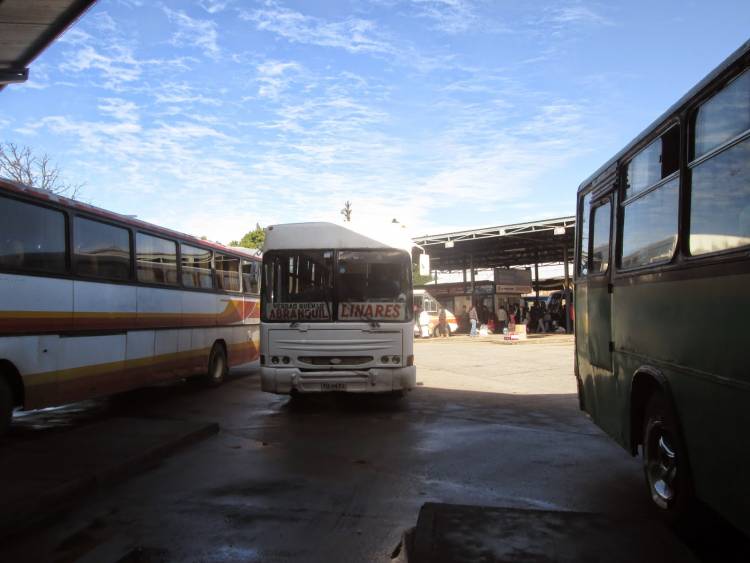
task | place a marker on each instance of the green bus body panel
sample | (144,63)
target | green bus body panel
(693,332)
(600,325)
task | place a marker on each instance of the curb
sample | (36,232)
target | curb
(63,497)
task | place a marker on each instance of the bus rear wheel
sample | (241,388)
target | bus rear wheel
(217,366)
(665,462)
(6,405)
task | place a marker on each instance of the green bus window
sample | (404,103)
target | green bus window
(723,117)
(720,201)
(654,163)
(649,229)
(583,242)
(600,219)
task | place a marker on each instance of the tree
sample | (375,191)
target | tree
(252,239)
(347,211)
(22,165)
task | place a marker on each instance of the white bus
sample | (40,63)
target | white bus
(337,312)
(93,303)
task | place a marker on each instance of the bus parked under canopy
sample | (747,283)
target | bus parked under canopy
(93,303)
(337,311)
(661,297)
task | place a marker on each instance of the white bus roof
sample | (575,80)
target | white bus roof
(303,236)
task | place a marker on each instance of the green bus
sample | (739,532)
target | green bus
(662,298)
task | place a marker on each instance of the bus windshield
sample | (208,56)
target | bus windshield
(368,285)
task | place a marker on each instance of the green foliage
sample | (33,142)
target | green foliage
(252,239)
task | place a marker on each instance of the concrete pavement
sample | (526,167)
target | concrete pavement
(340,478)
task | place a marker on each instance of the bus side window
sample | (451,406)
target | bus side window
(156,259)
(583,238)
(250,276)
(650,209)
(101,250)
(720,191)
(227,272)
(31,237)
(600,219)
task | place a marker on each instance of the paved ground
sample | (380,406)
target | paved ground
(340,478)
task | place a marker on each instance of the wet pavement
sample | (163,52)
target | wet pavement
(339,478)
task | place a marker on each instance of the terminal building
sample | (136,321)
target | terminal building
(513,253)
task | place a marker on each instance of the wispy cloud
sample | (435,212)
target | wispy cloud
(214,6)
(355,35)
(193,32)
(274,77)
(450,16)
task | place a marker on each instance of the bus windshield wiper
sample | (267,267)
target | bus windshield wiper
(373,322)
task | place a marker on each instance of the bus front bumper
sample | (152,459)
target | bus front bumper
(376,380)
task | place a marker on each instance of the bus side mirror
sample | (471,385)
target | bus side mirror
(424,264)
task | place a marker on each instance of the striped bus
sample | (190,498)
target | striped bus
(94,303)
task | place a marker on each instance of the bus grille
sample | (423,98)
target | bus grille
(335,360)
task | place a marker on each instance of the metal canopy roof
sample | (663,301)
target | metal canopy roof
(27,27)
(522,244)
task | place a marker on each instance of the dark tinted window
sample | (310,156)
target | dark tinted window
(654,163)
(196,267)
(723,117)
(373,284)
(101,250)
(250,276)
(227,272)
(297,285)
(156,259)
(649,230)
(720,201)
(31,237)
(600,243)
(583,228)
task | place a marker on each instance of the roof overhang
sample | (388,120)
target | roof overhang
(548,241)
(27,28)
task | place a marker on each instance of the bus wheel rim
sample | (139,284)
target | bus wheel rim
(661,466)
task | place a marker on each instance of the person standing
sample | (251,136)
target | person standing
(424,323)
(502,318)
(473,318)
(442,322)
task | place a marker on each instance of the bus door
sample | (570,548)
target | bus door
(600,285)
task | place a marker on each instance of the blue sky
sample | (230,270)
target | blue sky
(209,116)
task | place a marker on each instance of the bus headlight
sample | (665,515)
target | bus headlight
(384,360)
(275,360)
(285,359)
(396,359)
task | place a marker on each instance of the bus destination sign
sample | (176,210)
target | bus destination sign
(299,312)
(371,311)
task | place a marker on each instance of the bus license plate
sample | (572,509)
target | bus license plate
(333,386)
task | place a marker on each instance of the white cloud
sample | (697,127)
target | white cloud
(352,34)
(274,77)
(214,6)
(450,16)
(193,32)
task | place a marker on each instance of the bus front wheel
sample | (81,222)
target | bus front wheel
(665,462)
(6,405)
(217,365)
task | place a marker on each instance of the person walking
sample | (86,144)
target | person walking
(473,318)
(442,323)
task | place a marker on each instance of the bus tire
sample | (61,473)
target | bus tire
(665,461)
(217,365)
(6,405)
